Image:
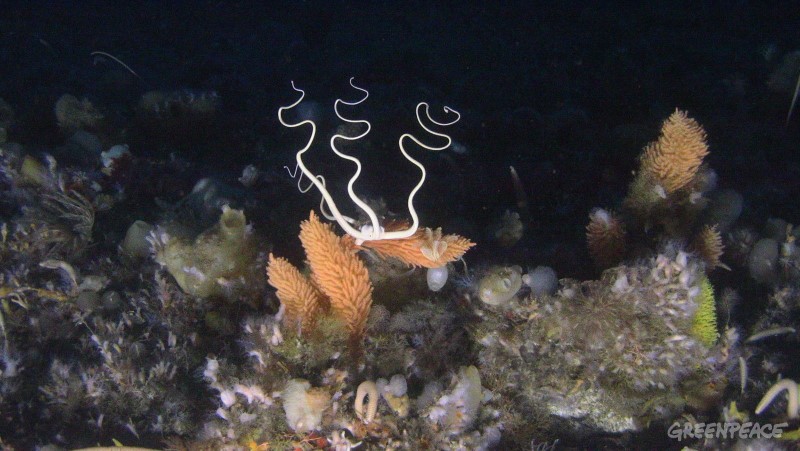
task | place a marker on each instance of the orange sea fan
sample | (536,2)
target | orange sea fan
(708,244)
(339,273)
(427,248)
(674,159)
(605,238)
(302,301)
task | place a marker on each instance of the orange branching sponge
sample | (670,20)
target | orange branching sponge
(302,301)
(339,273)
(708,244)
(427,248)
(674,159)
(605,238)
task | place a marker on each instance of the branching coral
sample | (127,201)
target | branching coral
(665,199)
(302,300)
(605,237)
(674,159)
(338,273)
(339,278)
(708,243)
(374,230)
(427,248)
(335,270)
(670,179)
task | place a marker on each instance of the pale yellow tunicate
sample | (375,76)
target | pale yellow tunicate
(500,285)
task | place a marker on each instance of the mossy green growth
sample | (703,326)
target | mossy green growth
(704,323)
(313,351)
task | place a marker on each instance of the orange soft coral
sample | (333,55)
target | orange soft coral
(605,238)
(426,247)
(674,159)
(301,300)
(339,273)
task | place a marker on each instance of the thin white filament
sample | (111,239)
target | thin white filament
(350,191)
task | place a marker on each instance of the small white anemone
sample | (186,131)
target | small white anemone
(621,284)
